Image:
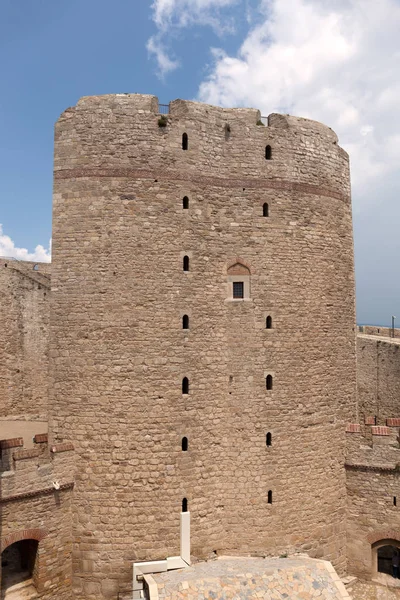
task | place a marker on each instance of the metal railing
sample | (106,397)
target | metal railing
(163,109)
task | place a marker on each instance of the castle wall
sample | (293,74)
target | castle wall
(119,352)
(373,497)
(378,378)
(32,509)
(24,323)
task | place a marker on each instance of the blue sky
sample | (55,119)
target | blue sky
(334,62)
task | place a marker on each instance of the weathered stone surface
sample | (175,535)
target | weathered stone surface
(119,353)
(249,578)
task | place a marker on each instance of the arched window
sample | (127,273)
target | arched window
(268,322)
(185,202)
(185,385)
(185,444)
(184,505)
(185,322)
(185,141)
(269,496)
(186,263)
(268,382)
(265,209)
(269,439)
(268,153)
(239,280)
(36,267)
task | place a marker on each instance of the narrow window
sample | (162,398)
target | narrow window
(268,382)
(185,322)
(36,267)
(269,439)
(185,202)
(269,496)
(185,141)
(265,209)
(268,152)
(185,444)
(238,289)
(185,385)
(268,322)
(184,505)
(394,501)
(186,263)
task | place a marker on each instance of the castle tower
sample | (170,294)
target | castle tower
(202,332)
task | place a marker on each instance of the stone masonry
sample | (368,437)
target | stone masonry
(277,221)
(24,343)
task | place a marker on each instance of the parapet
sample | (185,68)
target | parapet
(373,447)
(177,109)
(28,472)
(132,135)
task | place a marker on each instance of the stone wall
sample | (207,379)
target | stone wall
(380,331)
(119,352)
(32,509)
(24,325)
(378,378)
(373,496)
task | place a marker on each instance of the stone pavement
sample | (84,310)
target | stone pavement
(362,590)
(253,578)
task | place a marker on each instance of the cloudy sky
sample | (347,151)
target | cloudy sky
(336,61)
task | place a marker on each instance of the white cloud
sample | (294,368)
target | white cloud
(336,62)
(171,15)
(164,62)
(167,13)
(8,248)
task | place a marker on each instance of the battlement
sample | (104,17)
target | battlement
(371,446)
(43,469)
(104,136)
(145,104)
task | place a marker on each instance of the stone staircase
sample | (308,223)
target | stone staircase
(24,590)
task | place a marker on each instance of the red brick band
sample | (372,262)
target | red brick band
(64,447)
(362,467)
(353,428)
(393,422)
(11,443)
(380,430)
(24,534)
(266,184)
(33,493)
(27,453)
(384,534)
(40,438)
(370,420)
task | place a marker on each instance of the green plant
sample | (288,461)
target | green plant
(259,122)
(162,121)
(283,555)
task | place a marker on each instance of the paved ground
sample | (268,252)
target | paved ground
(371,591)
(253,578)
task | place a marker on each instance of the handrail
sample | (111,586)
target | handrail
(163,109)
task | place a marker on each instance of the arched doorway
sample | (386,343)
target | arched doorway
(386,560)
(19,564)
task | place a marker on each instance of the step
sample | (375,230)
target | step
(24,590)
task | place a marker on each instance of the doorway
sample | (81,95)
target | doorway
(19,564)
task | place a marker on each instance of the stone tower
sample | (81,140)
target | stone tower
(203,289)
